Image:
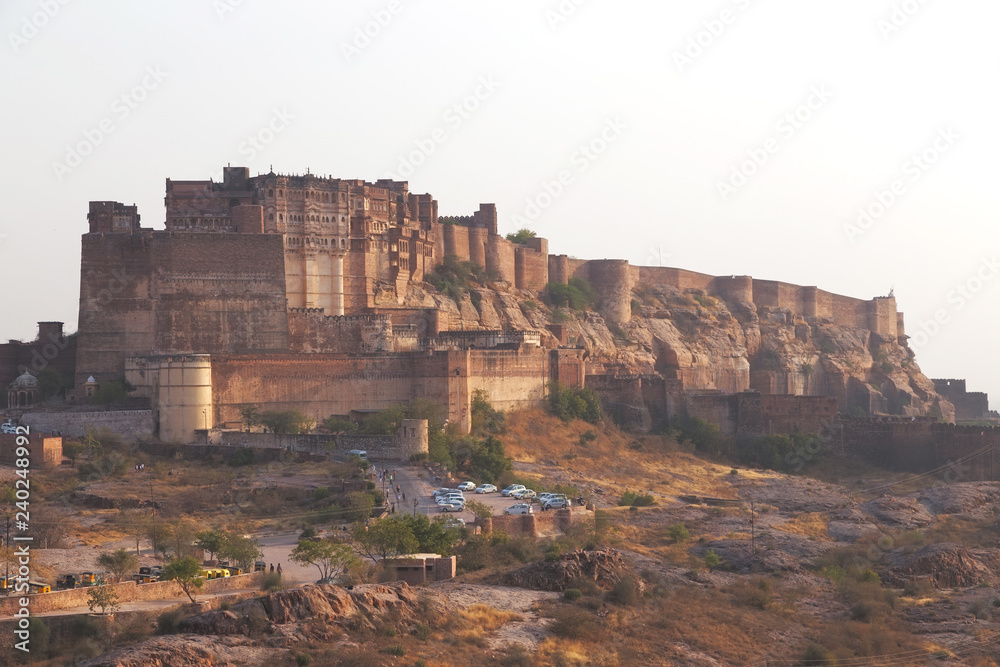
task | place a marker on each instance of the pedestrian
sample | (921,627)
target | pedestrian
(392,508)
(404,495)
(272,567)
(279,569)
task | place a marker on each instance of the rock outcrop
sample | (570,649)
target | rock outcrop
(605,568)
(711,343)
(945,565)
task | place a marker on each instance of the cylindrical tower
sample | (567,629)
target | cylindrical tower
(559,269)
(612,278)
(185,397)
(477,245)
(735,288)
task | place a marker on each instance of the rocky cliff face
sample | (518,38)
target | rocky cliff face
(713,344)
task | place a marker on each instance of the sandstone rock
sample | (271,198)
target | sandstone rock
(605,568)
(904,512)
(972,498)
(946,565)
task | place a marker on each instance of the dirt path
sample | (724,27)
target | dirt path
(528,632)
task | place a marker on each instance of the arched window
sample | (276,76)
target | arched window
(270,217)
(281,193)
(270,193)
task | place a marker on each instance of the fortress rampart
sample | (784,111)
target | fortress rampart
(615,279)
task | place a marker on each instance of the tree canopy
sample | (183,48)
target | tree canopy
(330,558)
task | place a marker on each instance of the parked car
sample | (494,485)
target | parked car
(556,503)
(486,488)
(453,506)
(8,427)
(510,490)
(525,494)
(440,492)
(467,486)
(454,522)
(519,508)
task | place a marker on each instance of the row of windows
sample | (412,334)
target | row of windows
(309,194)
(306,218)
(313,242)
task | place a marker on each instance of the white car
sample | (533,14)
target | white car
(520,508)
(453,506)
(440,492)
(486,488)
(454,522)
(525,494)
(9,427)
(467,486)
(510,490)
(556,503)
(451,497)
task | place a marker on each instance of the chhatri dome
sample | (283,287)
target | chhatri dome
(22,392)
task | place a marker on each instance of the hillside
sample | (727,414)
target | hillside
(711,343)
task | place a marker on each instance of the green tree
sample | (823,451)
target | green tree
(330,558)
(384,422)
(186,572)
(480,509)
(485,419)
(521,236)
(250,414)
(119,563)
(212,541)
(242,550)
(569,404)
(359,507)
(578,294)
(110,393)
(490,461)
(103,597)
(386,538)
(287,421)
(432,537)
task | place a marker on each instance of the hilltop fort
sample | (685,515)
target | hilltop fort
(310,293)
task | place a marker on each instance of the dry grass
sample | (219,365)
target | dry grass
(614,460)
(810,524)
(488,618)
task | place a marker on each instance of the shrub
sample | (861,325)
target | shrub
(817,655)
(39,633)
(578,294)
(569,404)
(572,623)
(635,499)
(625,592)
(712,559)
(303,659)
(395,649)
(422,632)
(572,594)
(242,457)
(678,533)
(271,582)
(170,621)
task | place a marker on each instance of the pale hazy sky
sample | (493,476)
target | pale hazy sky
(826,107)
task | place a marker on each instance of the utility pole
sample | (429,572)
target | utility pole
(6,581)
(415,508)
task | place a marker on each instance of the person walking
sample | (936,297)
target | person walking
(279,569)
(272,567)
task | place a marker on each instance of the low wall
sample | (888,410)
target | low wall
(379,447)
(125,422)
(127,591)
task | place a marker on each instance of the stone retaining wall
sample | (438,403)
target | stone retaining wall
(125,422)
(127,591)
